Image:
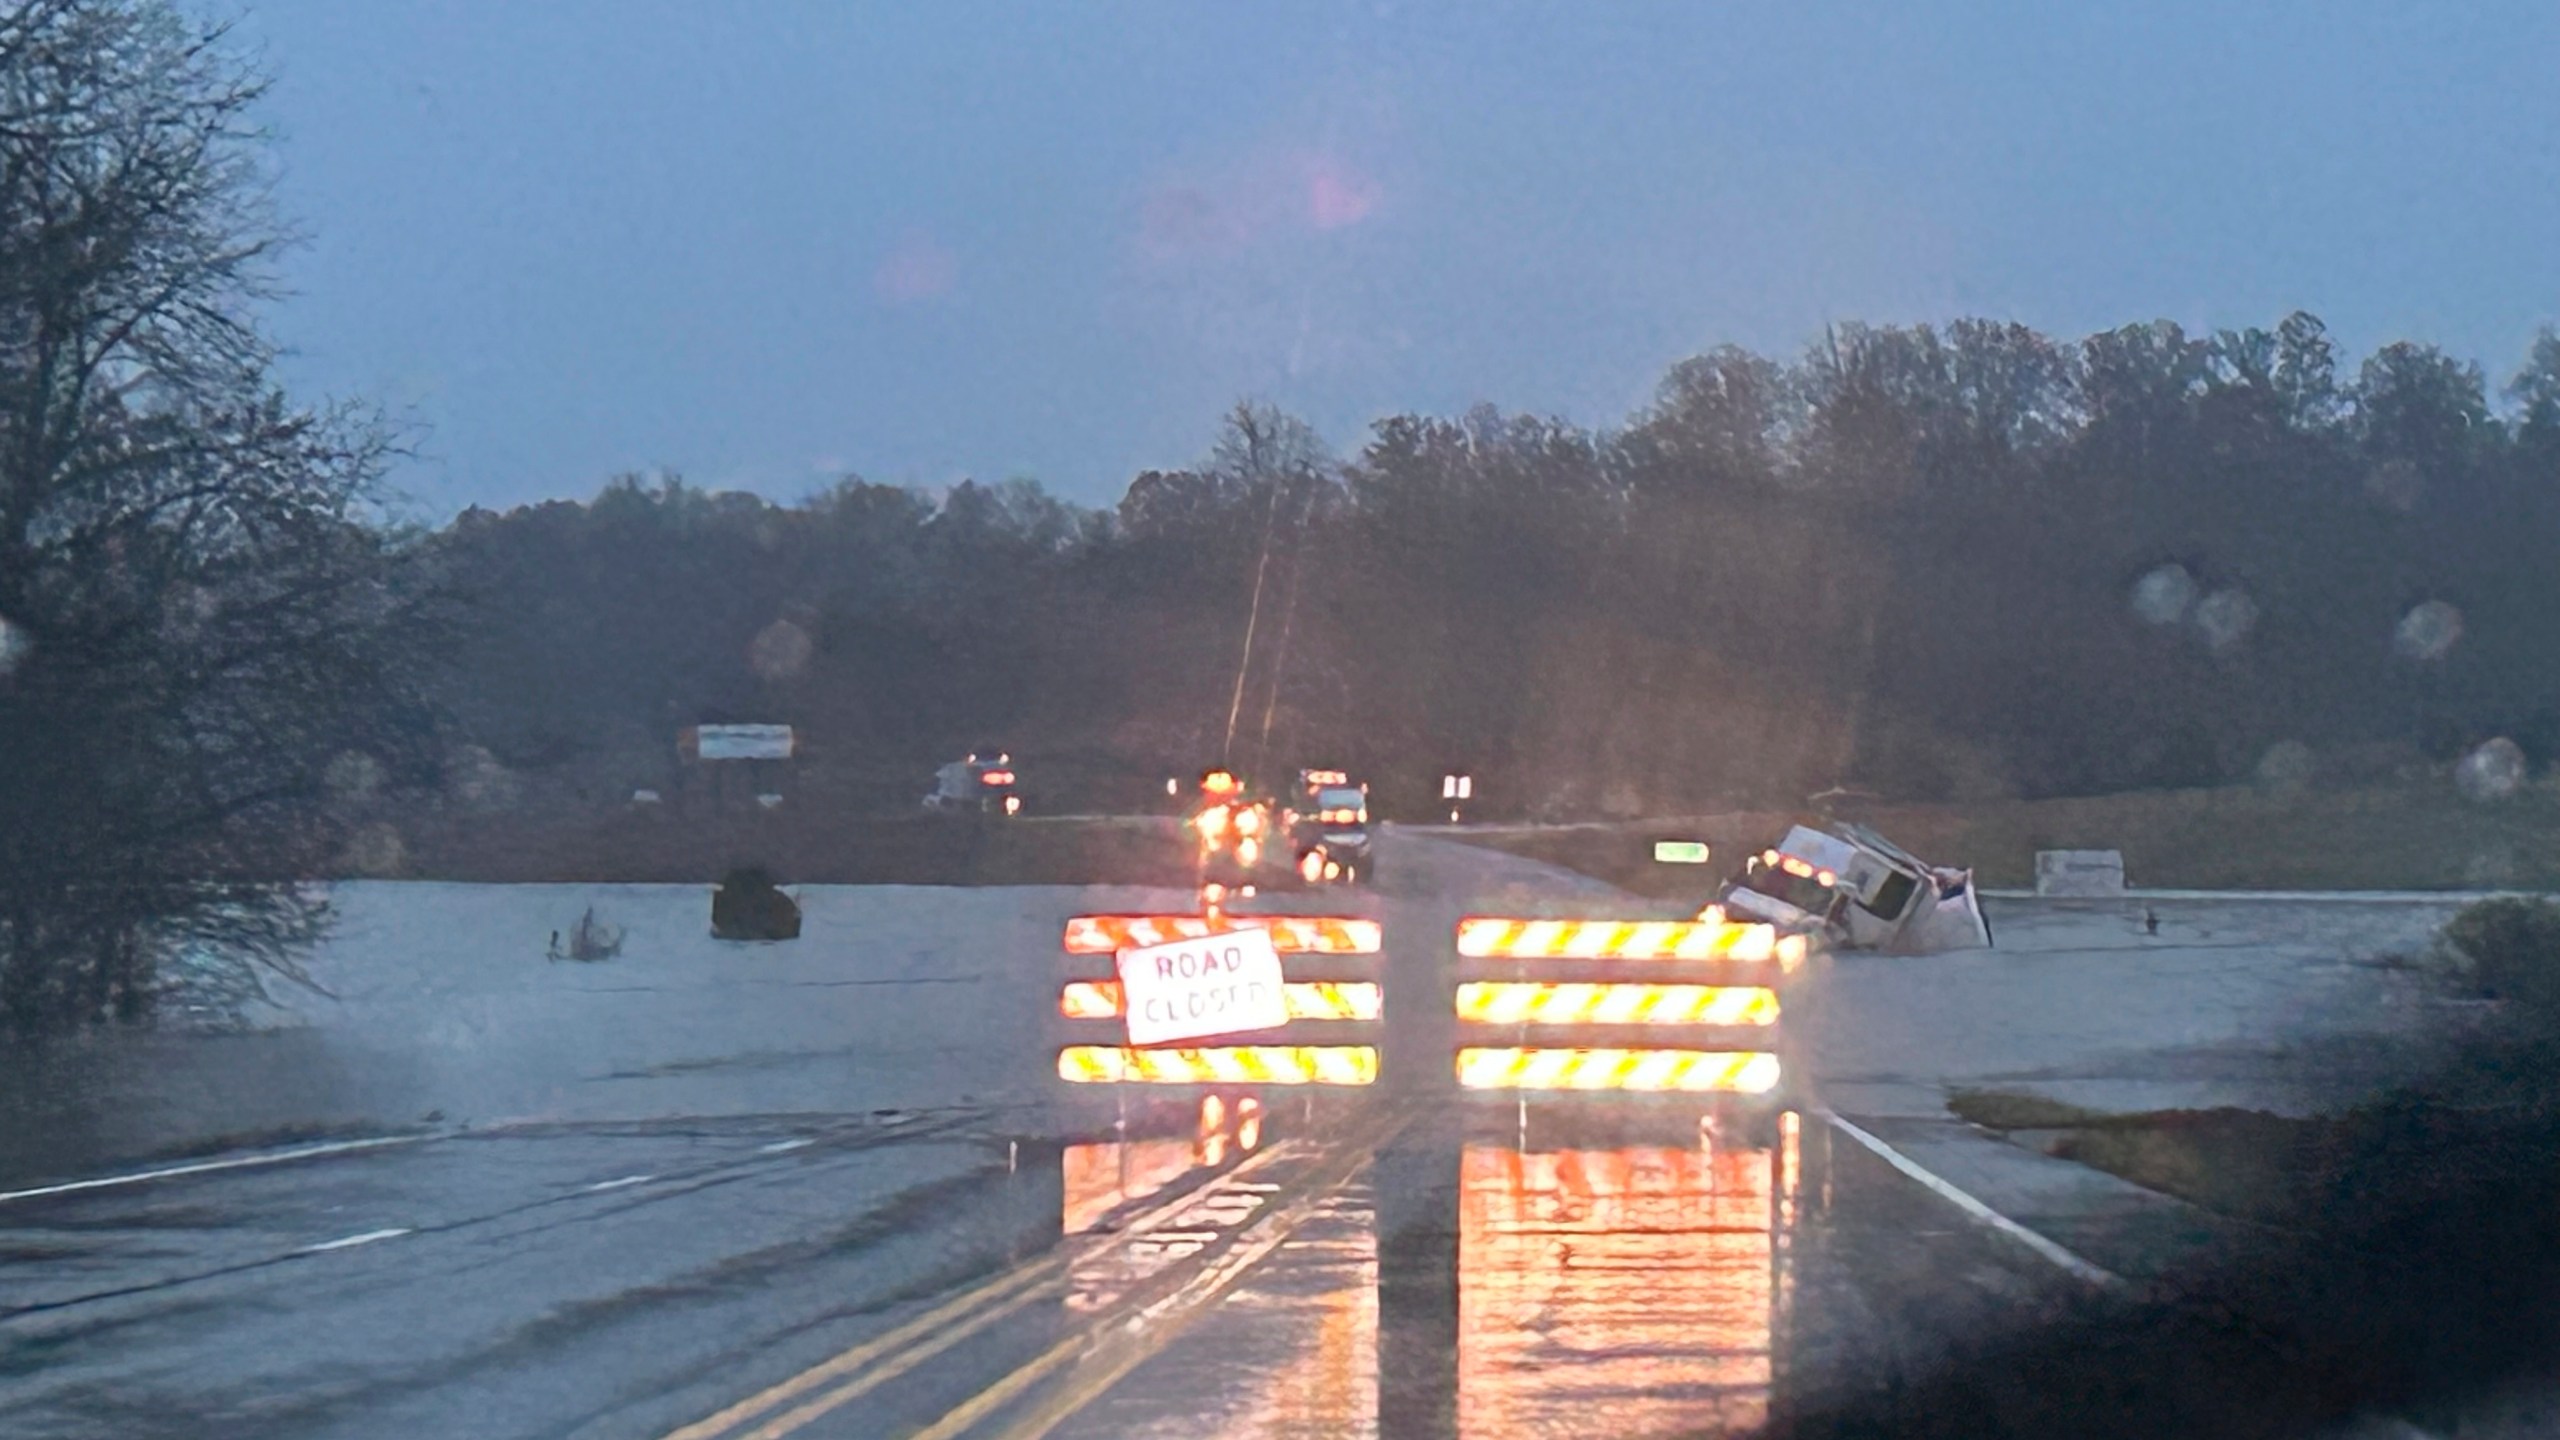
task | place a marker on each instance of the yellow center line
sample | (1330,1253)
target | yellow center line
(950,1312)
(986,1402)
(864,1353)
(1126,1344)
(1139,1344)
(891,1369)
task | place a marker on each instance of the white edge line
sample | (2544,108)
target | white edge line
(240,1162)
(619,1184)
(2288,897)
(2072,1264)
(351,1241)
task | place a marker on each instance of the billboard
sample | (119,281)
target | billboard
(737,742)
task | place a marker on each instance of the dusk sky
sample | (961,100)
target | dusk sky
(766,244)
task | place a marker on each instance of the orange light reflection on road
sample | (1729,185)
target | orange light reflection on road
(1299,1363)
(1100,1178)
(1631,1288)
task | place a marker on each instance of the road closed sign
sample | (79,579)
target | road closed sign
(1223,984)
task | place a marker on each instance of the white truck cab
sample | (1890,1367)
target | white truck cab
(1860,890)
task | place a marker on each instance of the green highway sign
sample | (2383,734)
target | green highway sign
(1680,852)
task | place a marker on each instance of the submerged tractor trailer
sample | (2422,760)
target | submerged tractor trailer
(1856,890)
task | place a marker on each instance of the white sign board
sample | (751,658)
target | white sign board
(1222,984)
(743,742)
(2079,872)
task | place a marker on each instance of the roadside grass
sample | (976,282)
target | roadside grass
(2405,1265)
(2006,1110)
(2415,836)
(2246,1164)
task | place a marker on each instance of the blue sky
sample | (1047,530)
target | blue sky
(768,243)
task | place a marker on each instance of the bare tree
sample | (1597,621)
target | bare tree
(195,597)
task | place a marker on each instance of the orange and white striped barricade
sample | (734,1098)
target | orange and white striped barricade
(1568,1006)
(1330,987)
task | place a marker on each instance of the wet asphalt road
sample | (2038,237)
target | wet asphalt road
(1393,1273)
(1390,1263)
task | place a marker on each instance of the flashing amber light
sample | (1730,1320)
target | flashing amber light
(1219,782)
(995,777)
(1332,870)
(1327,777)
(1804,870)
(1212,821)
(1768,857)
(1248,821)
(1342,817)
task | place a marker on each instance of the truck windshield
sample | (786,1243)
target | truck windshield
(1892,897)
(1340,797)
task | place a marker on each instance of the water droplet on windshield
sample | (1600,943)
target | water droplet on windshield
(2162,596)
(779,651)
(2494,771)
(2226,617)
(2428,631)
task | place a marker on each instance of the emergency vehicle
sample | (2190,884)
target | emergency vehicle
(1234,833)
(977,785)
(1329,830)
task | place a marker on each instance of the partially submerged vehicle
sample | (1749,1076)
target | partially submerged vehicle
(1859,891)
(748,904)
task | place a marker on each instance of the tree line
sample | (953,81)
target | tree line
(1920,562)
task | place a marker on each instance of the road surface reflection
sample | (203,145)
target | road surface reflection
(1549,1281)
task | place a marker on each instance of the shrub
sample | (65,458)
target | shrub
(2510,948)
